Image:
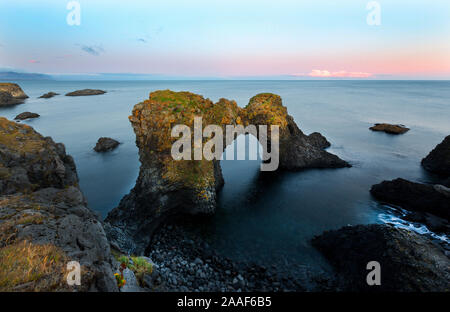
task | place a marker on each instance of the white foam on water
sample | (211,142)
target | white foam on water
(411,226)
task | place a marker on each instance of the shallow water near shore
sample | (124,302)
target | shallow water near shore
(264,218)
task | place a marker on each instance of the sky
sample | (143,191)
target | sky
(229,39)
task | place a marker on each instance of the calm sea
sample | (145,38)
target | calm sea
(270,220)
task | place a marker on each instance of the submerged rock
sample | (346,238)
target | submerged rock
(85,92)
(6,99)
(13,89)
(26,115)
(409,262)
(388,128)
(166,186)
(438,160)
(105,145)
(414,196)
(48,95)
(44,220)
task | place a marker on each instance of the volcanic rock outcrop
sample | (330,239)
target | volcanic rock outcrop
(438,160)
(6,99)
(409,262)
(166,186)
(413,196)
(44,220)
(13,89)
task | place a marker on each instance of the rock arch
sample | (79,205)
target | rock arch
(165,186)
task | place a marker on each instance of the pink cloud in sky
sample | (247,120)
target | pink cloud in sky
(318,73)
(33,61)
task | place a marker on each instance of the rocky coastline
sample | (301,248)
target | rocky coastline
(44,218)
(43,212)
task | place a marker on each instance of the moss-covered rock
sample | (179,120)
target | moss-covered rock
(14,89)
(44,220)
(32,161)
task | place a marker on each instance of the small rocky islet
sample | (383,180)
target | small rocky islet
(86,92)
(389,128)
(48,95)
(43,210)
(26,115)
(105,144)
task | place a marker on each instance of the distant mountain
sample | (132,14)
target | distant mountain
(126,76)
(10,75)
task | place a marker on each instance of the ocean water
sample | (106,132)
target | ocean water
(263,218)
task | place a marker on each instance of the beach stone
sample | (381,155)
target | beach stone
(131,283)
